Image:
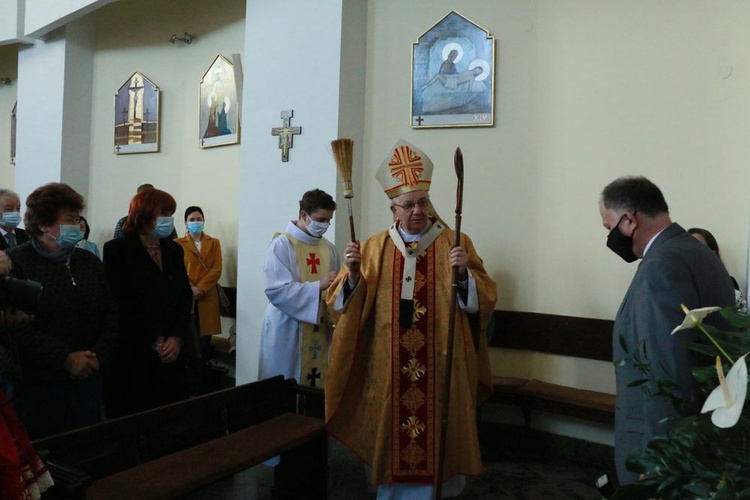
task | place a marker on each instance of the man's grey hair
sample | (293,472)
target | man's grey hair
(8,192)
(635,193)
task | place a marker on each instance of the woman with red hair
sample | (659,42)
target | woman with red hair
(148,279)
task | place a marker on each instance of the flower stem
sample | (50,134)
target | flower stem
(710,337)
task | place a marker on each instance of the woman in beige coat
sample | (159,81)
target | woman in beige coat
(203,263)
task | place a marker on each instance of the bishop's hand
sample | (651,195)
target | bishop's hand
(352,261)
(460,259)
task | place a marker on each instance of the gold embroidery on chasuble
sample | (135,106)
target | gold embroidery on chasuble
(314,261)
(414,427)
(406,166)
(413,399)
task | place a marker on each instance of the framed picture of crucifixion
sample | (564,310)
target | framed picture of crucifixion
(219,110)
(453,75)
(137,116)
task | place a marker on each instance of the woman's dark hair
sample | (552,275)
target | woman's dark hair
(710,240)
(43,205)
(192,209)
(86,225)
(315,200)
(145,207)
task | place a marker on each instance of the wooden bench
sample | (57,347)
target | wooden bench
(169,451)
(564,335)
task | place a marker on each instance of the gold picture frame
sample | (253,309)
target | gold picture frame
(219,106)
(137,116)
(453,75)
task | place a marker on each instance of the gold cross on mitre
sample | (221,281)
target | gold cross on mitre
(405,169)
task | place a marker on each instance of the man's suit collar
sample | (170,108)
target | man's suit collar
(667,233)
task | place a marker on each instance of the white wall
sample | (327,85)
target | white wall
(11,21)
(134,36)
(43,16)
(41,77)
(8,69)
(587,91)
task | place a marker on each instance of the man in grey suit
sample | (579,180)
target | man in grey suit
(675,269)
(10,234)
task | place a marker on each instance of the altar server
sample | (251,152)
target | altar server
(300,266)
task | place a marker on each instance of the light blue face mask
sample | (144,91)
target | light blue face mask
(70,235)
(164,227)
(11,219)
(195,226)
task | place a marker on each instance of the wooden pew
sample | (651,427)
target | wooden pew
(193,443)
(565,335)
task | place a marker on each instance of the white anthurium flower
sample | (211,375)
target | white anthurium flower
(728,398)
(694,317)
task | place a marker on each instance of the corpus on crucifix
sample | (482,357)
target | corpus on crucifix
(286,134)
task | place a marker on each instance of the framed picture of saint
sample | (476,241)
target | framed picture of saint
(137,116)
(453,75)
(219,112)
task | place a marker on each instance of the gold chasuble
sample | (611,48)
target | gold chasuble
(313,260)
(385,381)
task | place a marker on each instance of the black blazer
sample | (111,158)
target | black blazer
(21,238)
(152,302)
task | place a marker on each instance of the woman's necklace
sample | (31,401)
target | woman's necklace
(154,251)
(149,243)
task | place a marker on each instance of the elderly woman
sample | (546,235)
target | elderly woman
(203,263)
(74,329)
(148,278)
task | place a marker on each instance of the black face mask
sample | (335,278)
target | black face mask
(620,244)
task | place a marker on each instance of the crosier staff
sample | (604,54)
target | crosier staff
(458,162)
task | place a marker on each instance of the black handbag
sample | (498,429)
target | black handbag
(192,345)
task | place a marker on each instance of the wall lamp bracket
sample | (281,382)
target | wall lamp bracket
(187,38)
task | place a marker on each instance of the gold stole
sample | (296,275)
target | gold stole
(415,425)
(313,261)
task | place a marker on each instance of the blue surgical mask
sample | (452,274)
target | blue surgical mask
(164,227)
(317,229)
(195,226)
(11,219)
(70,235)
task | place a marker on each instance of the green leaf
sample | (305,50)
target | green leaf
(735,317)
(639,382)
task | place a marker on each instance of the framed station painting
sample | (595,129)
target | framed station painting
(219,117)
(453,75)
(137,116)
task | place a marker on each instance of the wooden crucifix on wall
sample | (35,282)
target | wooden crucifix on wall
(286,134)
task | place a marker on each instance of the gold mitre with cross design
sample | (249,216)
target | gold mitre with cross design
(405,169)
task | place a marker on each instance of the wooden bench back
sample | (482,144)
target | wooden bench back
(118,444)
(567,335)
